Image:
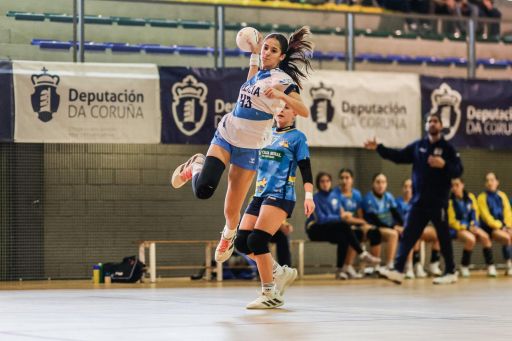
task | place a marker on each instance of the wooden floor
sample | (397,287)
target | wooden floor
(317,308)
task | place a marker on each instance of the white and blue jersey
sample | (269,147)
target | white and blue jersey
(350,204)
(378,211)
(278,164)
(249,124)
(403,207)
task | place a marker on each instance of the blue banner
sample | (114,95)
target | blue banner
(6,102)
(475,113)
(194,100)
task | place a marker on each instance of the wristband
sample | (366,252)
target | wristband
(309,195)
(254,60)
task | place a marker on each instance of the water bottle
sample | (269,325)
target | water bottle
(96,274)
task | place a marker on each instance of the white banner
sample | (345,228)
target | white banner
(347,108)
(86,103)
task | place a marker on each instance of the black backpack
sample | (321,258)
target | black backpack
(130,270)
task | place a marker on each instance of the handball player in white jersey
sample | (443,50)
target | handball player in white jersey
(277,66)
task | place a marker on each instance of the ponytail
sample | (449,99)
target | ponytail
(297,52)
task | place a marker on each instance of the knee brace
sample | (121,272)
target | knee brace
(374,236)
(205,183)
(258,242)
(241,241)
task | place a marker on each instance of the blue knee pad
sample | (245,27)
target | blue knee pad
(258,242)
(241,241)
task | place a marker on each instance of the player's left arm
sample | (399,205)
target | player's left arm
(293,100)
(304,163)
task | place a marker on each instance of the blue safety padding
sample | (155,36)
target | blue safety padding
(192,50)
(120,47)
(54,44)
(159,49)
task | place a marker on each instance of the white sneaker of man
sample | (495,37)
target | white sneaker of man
(183,173)
(268,300)
(434,269)
(420,272)
(491,271)
(284,278)
(509,271)
(392,275)
(340,274)
(464,272)
(446,279)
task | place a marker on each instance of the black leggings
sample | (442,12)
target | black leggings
(335,233)
(283,248)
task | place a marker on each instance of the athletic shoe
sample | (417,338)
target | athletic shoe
(369,271)
(509,271)
(409,273)
(445,279)
(491,271)
(435,270)
(285,279)
(342,275)
(393,275)
(464,271)
(368,258)
(267,301)
(420,272)
(225,248)
(183,173)
(352,273)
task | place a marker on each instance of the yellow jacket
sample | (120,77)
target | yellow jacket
(485,212)
(452,217)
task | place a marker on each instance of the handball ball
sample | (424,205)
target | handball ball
(246,38)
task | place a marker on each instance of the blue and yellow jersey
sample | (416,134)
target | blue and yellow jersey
(462,213)
(278,164)
(403,207)
(378,211)
(494,209)
(350,203)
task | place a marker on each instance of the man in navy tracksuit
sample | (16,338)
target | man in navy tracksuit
(435,162)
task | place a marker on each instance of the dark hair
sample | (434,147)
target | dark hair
(346,170)
(376,175)
(297,50)
(321,175)
(465,194)
(489,173)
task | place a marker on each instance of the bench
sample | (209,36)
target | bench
(208,246)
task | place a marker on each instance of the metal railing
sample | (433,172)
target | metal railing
(219,37)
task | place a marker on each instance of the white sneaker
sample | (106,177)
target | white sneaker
(285,279)
(409,273)
(445,279)
(369,271)
(464,271)
(225,248)
(393,275)
(509,271)
(435,270)
(491,271)
(369,258)
(183,173)
(342,275)
(267,301)
(420,272)
(352,273)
